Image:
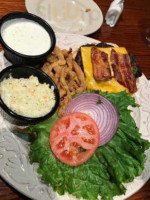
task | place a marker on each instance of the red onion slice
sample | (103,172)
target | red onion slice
(100,109)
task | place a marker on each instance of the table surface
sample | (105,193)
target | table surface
(130,32)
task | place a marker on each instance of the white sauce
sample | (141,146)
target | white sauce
(26,37)
(27,97)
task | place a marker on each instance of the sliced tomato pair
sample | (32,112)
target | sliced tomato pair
(74,138)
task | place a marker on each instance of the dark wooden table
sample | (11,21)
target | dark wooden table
(130,32)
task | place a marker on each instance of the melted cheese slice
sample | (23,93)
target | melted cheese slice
(105,86)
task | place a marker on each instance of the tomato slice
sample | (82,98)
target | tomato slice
(74,138)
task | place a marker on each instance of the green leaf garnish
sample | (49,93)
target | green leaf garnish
(118,162)
(99,102)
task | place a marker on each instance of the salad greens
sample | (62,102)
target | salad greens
(118,162)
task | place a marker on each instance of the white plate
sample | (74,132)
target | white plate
(68,16)
(14,163)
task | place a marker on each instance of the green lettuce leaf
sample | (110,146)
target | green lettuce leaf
(118,162)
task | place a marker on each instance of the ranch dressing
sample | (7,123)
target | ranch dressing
(26,37)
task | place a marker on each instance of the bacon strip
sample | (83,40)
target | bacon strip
(123,70)
(101,69)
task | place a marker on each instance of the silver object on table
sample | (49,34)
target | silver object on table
(114,12)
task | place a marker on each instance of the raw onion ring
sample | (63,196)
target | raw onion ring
(100,109)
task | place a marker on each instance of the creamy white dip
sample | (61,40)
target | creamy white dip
(26,36)
(27,97)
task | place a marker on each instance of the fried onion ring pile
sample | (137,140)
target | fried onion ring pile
(67,75)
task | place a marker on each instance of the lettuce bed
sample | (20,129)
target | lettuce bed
(118,162)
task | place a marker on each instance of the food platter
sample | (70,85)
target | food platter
(15,167)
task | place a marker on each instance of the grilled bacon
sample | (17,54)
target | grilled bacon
(101,69)
(123,70)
